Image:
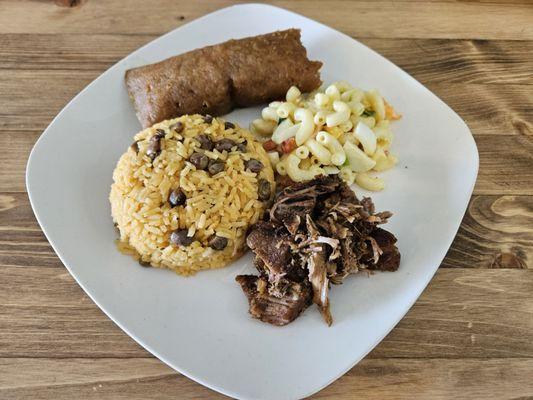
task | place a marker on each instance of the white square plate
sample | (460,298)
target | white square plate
(200,326)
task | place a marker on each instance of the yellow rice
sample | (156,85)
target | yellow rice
(224,204)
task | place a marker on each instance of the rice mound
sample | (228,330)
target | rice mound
(224,204)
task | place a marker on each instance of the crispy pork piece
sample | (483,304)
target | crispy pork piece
(275,307)
(389,259)
(317,233)
(215,79)
(271,245)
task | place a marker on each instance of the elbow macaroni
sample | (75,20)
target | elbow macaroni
(285,109)
(376,101)
(338,157)
(320,152)
(263,127)
(366,137)
(333,92)
(372,183)
(383,160)
(281,168)
(293,94)
(330,170)
(307,125)
(343,86)
(321,100)
(292,166)
(320,118)
(284,131)
(275,104)
(346,126)
(357,159)
(273,156)
(341,114)
(347,175)
(302,152)
(340,130)
(270,113)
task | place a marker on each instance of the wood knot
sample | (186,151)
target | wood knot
(522,127)
(69,3)
(508,260)
(7,203)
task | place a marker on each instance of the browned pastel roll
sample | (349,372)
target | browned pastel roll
(215,79)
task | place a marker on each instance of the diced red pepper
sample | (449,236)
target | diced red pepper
(270,145)
(288,145)
(390,113)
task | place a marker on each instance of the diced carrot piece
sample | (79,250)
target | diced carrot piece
(390,114)
(270,145)
(288,145)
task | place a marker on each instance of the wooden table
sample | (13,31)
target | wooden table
(469,336)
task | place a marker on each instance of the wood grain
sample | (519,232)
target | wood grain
(398,19)
(469,336)
(496,232)
(28,97)
(93,52)
(22,242)
(380,379)
(51,317)
(16,148)
(460,61)
(435,379)
(490,109)
(505,165)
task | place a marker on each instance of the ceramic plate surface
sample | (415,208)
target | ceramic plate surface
(200,326)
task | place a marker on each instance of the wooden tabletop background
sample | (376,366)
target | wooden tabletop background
(469,336)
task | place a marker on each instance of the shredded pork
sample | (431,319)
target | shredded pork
(316,234)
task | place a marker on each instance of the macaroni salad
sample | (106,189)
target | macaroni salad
(340,130)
